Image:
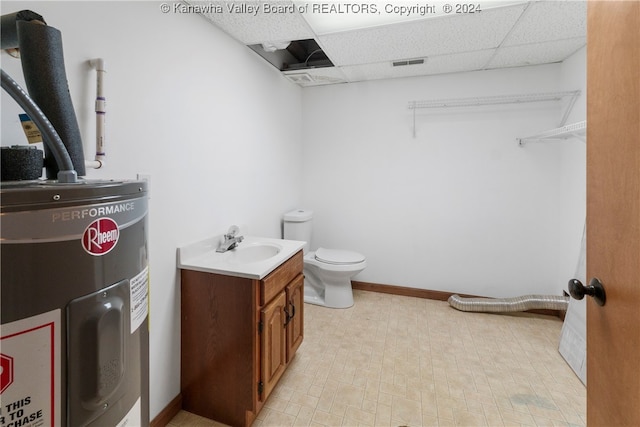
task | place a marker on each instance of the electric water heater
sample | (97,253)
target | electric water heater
(75,337)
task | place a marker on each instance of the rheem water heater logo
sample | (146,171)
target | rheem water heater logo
(101,236)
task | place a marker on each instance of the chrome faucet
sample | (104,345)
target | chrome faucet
(230,239)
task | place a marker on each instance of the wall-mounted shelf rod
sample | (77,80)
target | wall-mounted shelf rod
(497,100)
(577,130)
(492,100)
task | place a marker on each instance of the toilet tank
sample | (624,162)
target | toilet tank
(298,226)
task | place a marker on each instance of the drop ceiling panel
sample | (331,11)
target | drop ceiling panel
(440,64)
(250,28)
(467,61)
(550,20)
(436,36)
(537,53)
(381,70)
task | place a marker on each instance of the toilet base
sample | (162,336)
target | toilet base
(315,300)
(321,302)
(340,296)
(329,285)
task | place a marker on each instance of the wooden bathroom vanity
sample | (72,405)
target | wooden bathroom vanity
(238,336)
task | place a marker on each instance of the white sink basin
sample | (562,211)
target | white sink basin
(253,258)
(253,252)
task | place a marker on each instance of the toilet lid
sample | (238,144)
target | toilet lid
(338,256)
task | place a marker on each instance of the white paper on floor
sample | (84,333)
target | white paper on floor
(573,337)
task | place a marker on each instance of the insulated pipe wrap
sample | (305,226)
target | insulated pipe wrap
(19,163)
(503,305)
(44,73)
(49,134)
(9,30)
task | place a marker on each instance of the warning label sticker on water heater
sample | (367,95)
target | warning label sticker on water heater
(30,358)
(139,286)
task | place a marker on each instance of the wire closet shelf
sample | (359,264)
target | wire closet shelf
(498,100)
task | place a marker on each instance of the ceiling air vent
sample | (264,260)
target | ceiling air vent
(313,77)
(408,62)
(300,78)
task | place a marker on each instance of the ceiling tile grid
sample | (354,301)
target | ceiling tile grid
(251,27)
(508,35)
(467,61)
(440,64)
(415,39)
(546,21)
(381,70)
(535,53)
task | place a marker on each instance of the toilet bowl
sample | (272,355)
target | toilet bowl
(327,272)
(327,276)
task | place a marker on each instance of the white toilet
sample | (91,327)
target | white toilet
(327,272)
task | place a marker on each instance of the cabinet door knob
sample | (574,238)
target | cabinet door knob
(595,290)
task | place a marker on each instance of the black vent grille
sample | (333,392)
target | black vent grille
(408,62)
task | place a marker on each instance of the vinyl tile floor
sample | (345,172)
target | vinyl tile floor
(401,361)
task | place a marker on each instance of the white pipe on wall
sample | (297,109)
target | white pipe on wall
(93,164)
(101,110)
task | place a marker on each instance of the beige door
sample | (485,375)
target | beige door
(613,212)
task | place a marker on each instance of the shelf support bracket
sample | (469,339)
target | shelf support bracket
(574,130)
(571,103)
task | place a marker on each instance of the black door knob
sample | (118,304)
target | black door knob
(595,290)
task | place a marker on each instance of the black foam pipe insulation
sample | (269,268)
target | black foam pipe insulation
(46,79)
(49,134)
(20,163)
(9,30)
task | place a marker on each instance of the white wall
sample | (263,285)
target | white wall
(460,207)
(215,126)
(573,154)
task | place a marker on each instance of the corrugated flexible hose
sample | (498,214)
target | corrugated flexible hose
(503,305)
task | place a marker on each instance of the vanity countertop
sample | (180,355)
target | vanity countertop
(253,258)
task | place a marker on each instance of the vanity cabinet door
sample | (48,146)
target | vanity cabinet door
(295,312)
(274,343)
